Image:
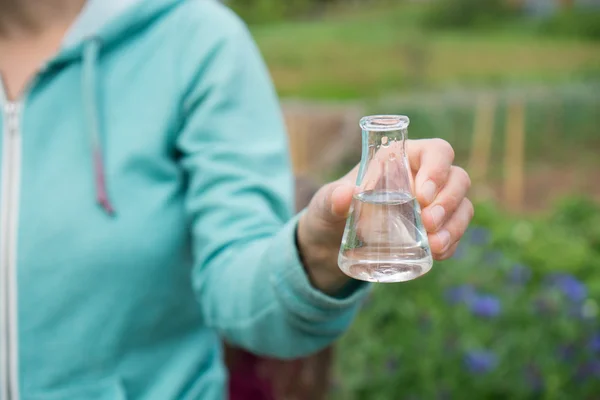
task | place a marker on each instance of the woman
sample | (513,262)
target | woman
(146,205)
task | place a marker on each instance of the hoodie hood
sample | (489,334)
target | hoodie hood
(94,16)
(101,25)
(109,21)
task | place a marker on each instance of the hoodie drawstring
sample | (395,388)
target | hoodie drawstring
(90,104)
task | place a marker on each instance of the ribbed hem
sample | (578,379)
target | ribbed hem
(293,287)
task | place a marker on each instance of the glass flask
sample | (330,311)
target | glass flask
(384,239)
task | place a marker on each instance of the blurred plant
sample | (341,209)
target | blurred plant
(260,11)
(576,22)
(523,326)
(256,11)
(468,13)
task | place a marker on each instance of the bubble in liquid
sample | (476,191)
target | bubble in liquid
(392,156)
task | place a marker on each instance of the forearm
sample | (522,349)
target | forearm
(258,296)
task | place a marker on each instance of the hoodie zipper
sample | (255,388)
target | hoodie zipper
(9,203)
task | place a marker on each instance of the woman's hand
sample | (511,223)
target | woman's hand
(440,187)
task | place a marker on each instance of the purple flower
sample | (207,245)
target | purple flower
(480,236)
(480,361)
(570,286)
(461,251)
(391,365)
(590,370)
(566,352)
(519,274)
(492,258)
(486,306)
(534,378)
(545,306)
(460,294)
(594,343)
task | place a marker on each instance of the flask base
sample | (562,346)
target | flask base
(384,271)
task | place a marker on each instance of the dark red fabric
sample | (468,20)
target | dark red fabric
(245,382)
(256,378)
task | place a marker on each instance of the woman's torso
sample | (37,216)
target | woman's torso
(104,304)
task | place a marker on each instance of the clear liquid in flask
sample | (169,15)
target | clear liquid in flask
(384,240)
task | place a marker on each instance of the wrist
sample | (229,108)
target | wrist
(319,259)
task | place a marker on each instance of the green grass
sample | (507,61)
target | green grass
(368,53)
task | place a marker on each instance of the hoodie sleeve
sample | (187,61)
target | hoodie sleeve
(249,280)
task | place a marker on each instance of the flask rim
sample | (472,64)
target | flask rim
(384,123)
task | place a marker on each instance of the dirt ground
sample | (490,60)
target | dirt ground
(546,184)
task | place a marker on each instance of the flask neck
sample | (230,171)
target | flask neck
(377,141)
(383,135)
(384,163)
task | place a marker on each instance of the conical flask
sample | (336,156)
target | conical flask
(384,239)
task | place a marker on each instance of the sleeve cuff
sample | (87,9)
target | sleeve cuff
(294,289)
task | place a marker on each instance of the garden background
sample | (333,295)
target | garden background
(514,85)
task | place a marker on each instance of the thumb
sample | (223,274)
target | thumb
(332,202)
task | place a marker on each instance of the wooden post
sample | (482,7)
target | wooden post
(298,141)
(483,133)
(514,162)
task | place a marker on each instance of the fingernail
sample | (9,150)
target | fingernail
(333,201)
(334,195)
(444,238)
(428,191)
(437,214)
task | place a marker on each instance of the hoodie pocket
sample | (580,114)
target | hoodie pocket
(109,389)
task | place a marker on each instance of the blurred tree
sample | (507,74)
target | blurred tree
(257,11)
(469,13)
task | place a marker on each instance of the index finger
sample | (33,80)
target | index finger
(431,160)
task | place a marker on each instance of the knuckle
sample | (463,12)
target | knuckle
(439,175)
(463,176)
(459,224)
(447,254)
(455,231)
(470,209)
(445,147)
(452,201)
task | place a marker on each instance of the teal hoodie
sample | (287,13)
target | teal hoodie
(146,212)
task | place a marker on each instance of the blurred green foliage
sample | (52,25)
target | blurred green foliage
(261,11)
(514,315)
(576,23)
(374,50)
(567,239)
(468,14)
